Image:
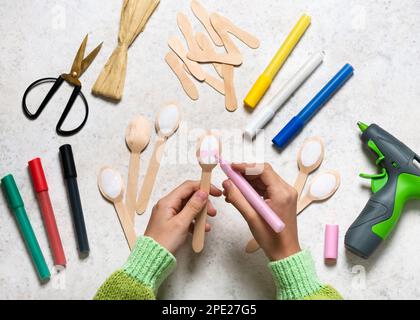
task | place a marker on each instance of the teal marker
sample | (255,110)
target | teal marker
(16,205)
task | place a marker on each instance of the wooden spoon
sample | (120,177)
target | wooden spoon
(208,150)
(137,137)
(309,159)
(167,123)
(322,188)
(111,185)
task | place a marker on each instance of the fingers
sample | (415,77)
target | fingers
(263,172)
(191,229)
(211,210)
(185,190)
(235,197)
(178,197)
(194,206)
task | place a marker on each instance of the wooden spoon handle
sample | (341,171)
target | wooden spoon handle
(252,246)
(133,176)
(126,224)
(200,220)
(300,182)
(303,204)
(150,178)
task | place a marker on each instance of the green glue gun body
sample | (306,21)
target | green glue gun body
(398,182)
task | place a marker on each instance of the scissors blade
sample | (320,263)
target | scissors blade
(77,64)
(89,59)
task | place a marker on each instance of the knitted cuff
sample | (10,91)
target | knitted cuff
(295,276)
(149,263)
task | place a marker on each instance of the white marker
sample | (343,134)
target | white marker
(262,118)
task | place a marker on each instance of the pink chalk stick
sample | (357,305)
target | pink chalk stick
(331,242)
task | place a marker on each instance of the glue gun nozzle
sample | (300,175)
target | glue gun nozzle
(362,126)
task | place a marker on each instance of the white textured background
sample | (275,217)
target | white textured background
(40,38)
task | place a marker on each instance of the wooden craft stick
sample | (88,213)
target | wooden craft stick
(213,82)
(176,45)
(187,84)
(203,16)
(231,101)
(187,31)
(233,58)
(222,24)
(204,43)
(233,55)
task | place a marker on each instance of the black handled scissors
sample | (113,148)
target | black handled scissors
(80,65)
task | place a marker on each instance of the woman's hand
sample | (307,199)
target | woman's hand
(280,196)
(172,217)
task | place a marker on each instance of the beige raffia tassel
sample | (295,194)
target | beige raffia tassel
(134,16)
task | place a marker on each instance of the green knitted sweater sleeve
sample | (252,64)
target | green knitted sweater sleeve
(139,279)
(296,279)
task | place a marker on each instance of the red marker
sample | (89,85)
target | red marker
(41,189)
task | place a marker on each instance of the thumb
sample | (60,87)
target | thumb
(194,206)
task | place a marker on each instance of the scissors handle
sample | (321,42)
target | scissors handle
(76,92)
(57,84)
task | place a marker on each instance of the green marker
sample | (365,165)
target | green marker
(16,205)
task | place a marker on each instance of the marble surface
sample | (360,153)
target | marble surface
(40,38)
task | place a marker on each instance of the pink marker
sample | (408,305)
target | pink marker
(254,199)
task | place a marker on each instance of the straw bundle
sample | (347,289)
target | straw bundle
(134,16)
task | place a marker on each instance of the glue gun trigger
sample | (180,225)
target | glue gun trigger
(378,180)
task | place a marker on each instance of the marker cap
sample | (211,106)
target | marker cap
(258,123)
(38,175)
(258,91)
(331,242)
(288,132)
(67,161)
(12,192)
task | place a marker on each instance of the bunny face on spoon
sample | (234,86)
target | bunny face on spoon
(208,150)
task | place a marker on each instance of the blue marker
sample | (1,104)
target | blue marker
(295,125)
